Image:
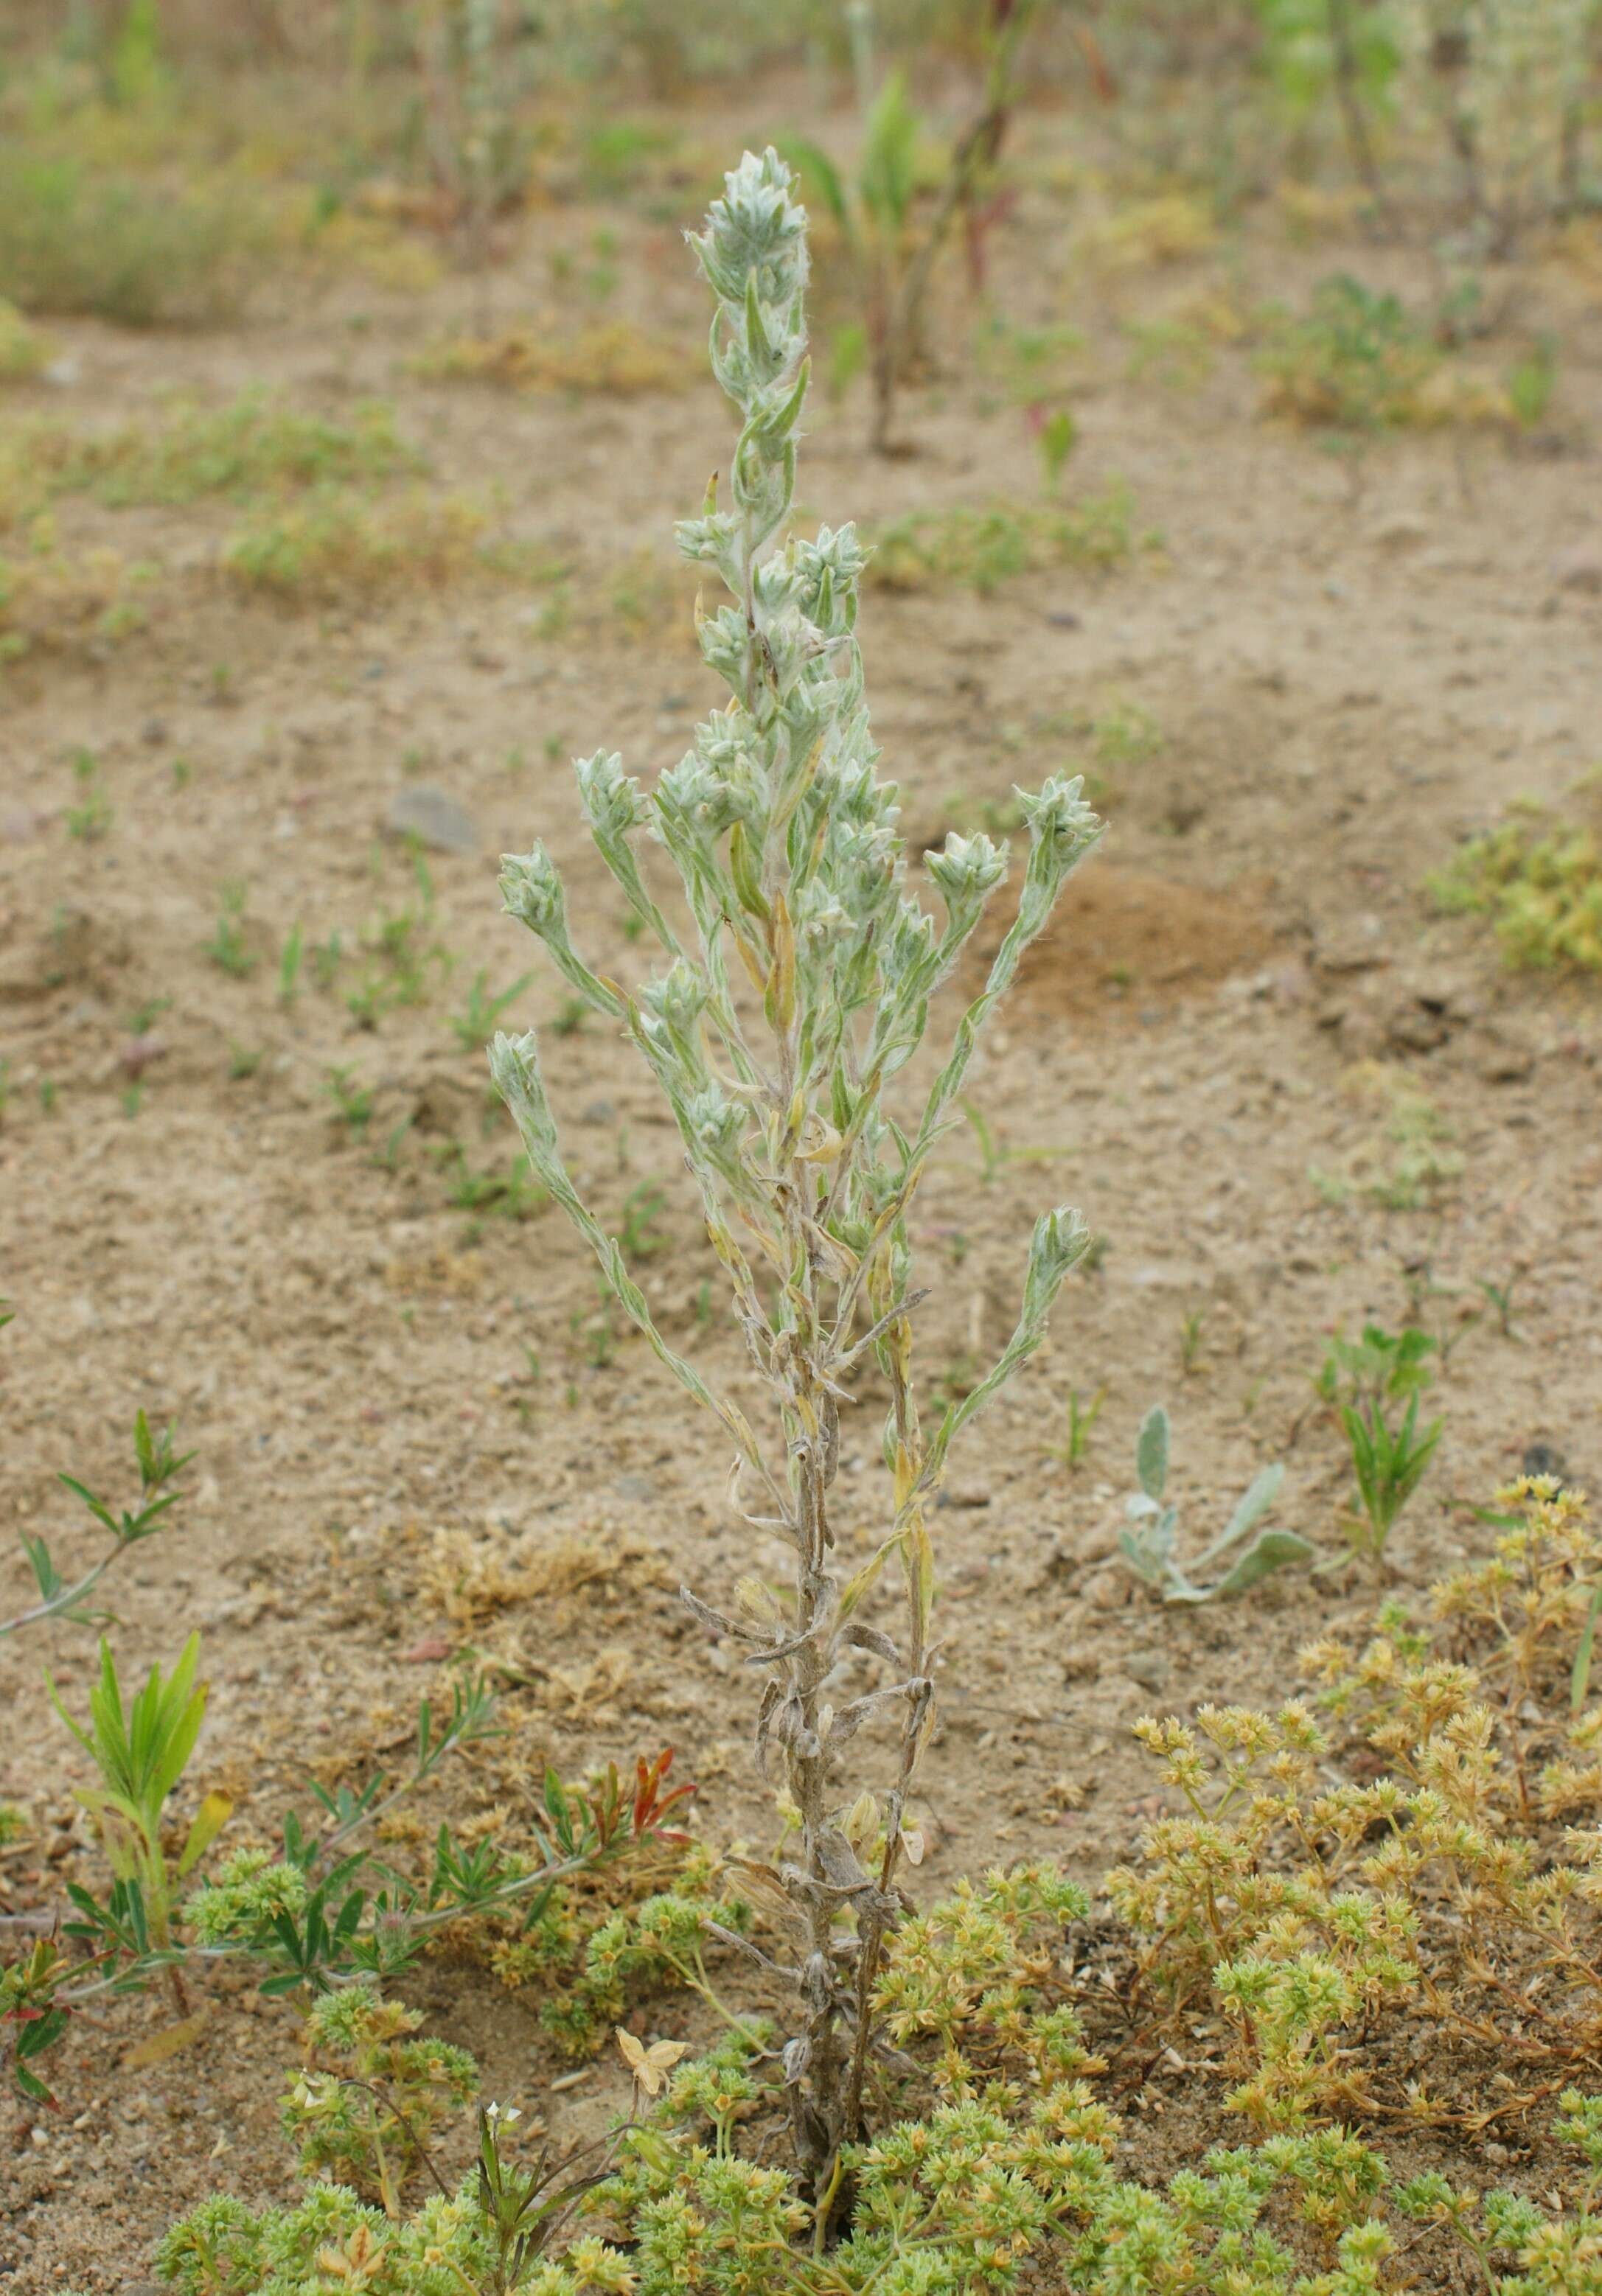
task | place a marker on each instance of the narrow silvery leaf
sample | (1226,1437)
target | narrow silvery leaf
(1139,1557)
(1060,1238)
(1256,1501)
(1151,1452)
(1268,1553)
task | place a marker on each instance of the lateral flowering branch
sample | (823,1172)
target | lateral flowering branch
(774,1033)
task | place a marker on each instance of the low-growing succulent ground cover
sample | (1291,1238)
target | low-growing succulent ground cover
(303,616)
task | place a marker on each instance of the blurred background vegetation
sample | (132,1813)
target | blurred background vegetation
(1484,110)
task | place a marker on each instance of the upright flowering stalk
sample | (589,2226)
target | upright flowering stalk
(774,1028)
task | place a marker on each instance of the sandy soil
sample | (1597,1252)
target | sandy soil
(1243,988)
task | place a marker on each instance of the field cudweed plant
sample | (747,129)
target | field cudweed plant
(774,1033)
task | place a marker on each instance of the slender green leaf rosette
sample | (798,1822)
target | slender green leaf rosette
(774,1036)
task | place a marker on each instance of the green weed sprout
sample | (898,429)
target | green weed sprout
(523,2210)
(473,1028)
(141,1751)
(1388,1464)
(1147,1543)
(1081,1421)
(1380,1366)
(1058,436)
(64,1598)
(228,948)
(774,1034)
(91,817)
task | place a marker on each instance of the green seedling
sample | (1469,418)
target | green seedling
(523,2210)
(1058,436)
(597,1333)
(140,1752)
(1352,365)
(1147,1544)
(29,2003)
(1579,1677)
(144,1017)
(1422,1288)
(1381,1366)
(993,1158)
(352,1101)
(157,1465)
(1389,1465)
(228,948)
(1081,1420)
(401,960)
(367,1004)
(640,1236)
(1531,382)
(290,961)
(1500,1297)
(326,957)
(387,1159)
(515,1194)
(91,817)
(473,1029)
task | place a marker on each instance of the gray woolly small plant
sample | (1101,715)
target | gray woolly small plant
(774,1032)
(1147,1543)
